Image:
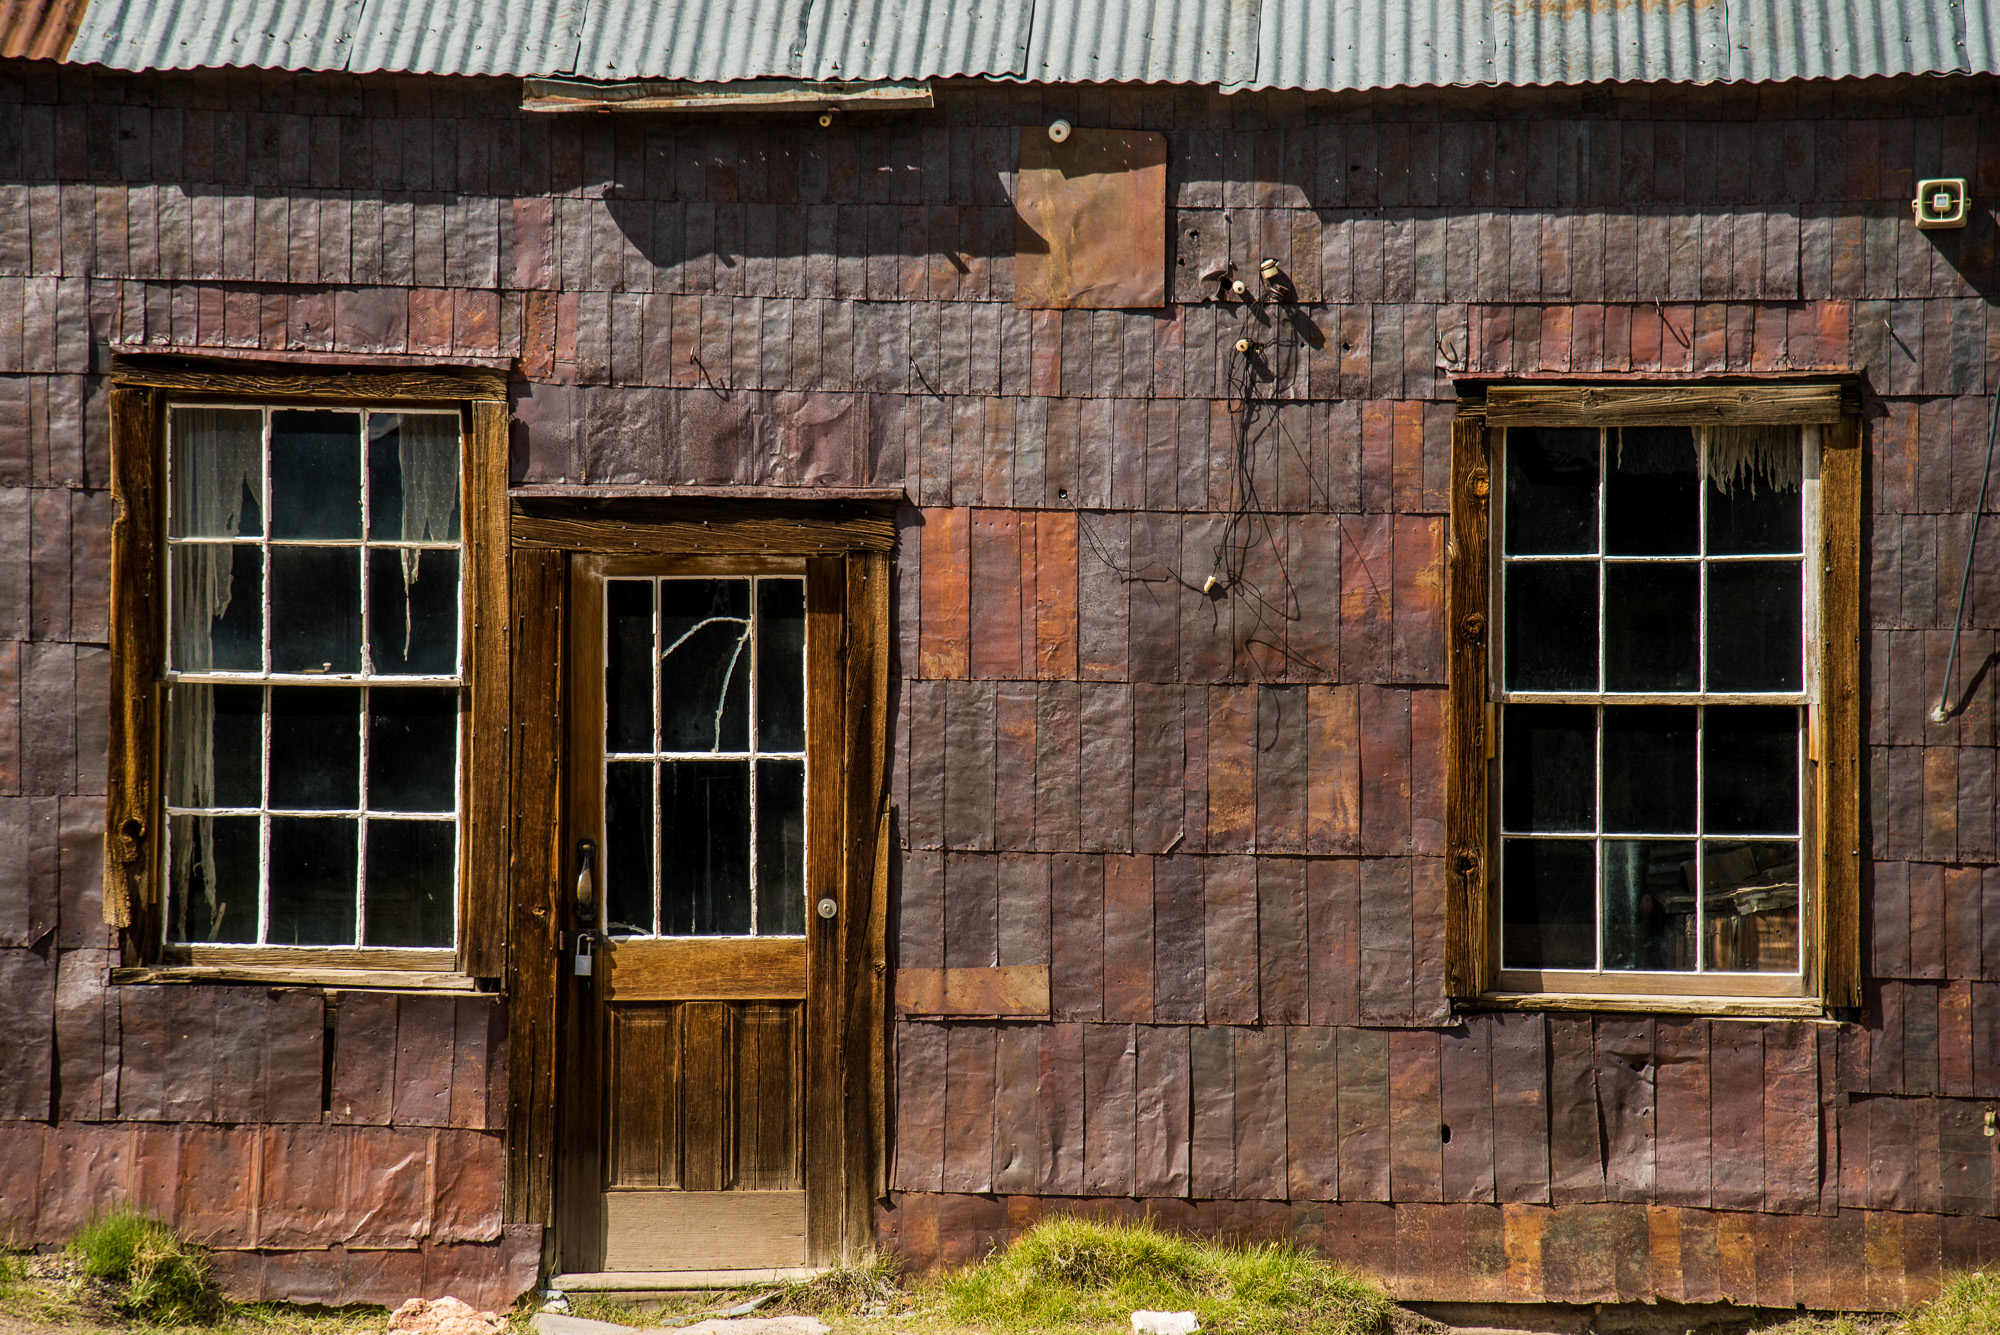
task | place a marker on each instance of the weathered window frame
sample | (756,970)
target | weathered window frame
(133,876)
(1831,930)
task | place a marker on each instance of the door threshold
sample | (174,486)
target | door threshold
(655,1281)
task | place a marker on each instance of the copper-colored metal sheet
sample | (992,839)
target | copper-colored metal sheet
(1091,220)
(1020,989)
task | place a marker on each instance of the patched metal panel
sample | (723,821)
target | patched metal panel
(198,34)
(692,39)
(915,39)
(1091,220)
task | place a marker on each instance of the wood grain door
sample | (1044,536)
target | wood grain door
(690,824)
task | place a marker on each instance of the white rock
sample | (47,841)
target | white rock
(1165,1323)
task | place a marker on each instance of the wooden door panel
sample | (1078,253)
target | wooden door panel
(705,969)
(704,1096)
(679,1230)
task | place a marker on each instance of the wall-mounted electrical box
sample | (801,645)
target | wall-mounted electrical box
(1940,203)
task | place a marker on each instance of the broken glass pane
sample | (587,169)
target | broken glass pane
(218,608)
(315,474)
(412,879)
(627,861)
(1551,491)
(1750,901)
(781,665)
(214,890)
(1649,904)
(313,891)
(704,664)
(628,665)
(315,748)
(216,744)
(1548,904)
(412,749)
(781,847)
(316,609)
(218,473)
(705,847)
(413,477)
(413,600)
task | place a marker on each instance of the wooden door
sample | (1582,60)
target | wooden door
(690,823)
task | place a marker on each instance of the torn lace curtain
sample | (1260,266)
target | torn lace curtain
(218,463)
(427,456)
(1750,457)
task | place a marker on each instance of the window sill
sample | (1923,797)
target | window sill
(302,974)
(1749,1008)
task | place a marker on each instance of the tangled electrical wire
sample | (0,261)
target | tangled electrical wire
(1265,590)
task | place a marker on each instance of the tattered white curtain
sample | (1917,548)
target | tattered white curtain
(1750,456)
(427,453)
(218,457)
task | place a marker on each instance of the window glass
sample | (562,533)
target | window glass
(704,778)
(1653,604)
(313,676)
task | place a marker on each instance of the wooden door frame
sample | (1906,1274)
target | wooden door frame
(847,554)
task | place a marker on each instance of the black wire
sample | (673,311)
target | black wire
(1944,710)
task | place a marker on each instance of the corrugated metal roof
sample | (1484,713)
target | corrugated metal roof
(915,39)
(1315,44)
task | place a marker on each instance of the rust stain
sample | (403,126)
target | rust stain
(39,29)
(1091,220)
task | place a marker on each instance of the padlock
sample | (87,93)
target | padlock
(586,954)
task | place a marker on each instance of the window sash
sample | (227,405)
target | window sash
(1831,645)
(368,675)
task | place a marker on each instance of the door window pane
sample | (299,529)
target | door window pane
(705,847)
(718,844)
(704,664)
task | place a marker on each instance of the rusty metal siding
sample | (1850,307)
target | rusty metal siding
(1215,821)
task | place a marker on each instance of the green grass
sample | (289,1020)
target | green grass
(1072,1272)
(161,1279)
(1969,1304)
